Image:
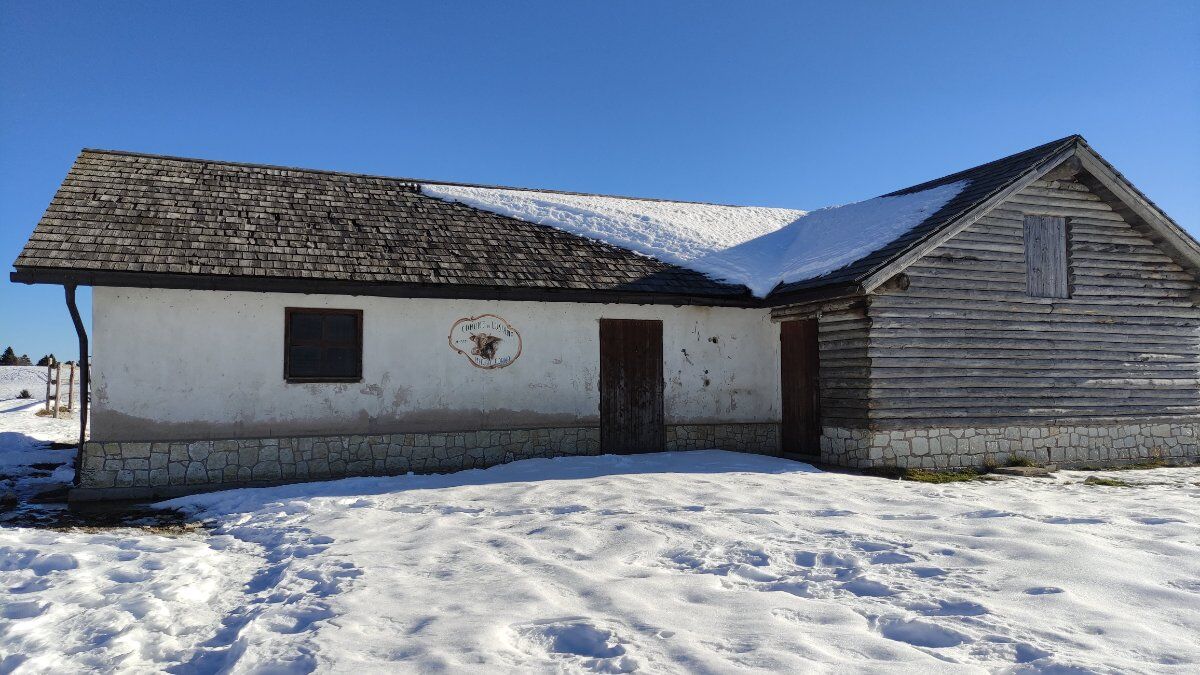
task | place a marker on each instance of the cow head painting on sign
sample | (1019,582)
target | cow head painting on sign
(487,341)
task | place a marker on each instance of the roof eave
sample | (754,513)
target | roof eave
(214,282)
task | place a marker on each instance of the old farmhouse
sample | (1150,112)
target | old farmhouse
(258,324)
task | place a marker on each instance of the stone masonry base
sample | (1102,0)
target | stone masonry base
(137,470)
(1065,445)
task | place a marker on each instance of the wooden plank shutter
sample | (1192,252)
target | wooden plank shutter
(1046,256)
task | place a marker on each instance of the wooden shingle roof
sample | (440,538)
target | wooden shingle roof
(193,223)
(142,220)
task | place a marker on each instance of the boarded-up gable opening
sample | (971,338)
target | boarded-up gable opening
(1046,271)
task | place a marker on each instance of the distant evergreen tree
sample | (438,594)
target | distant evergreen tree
(24,360)
(8,358)
(47,360)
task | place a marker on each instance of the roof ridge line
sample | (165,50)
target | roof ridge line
(416,181)
(949,178)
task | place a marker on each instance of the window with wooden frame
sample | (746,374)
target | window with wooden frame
(322,345)
(1047,272)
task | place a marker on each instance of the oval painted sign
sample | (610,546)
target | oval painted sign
(487,341)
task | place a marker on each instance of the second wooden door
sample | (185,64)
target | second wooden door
(799,356)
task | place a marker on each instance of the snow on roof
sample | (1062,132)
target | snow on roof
(757,247)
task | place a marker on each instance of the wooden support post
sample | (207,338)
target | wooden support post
(57,386)
(71,387)
(49,374)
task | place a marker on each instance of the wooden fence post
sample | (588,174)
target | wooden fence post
(57,386)
(71,387)
(49,372)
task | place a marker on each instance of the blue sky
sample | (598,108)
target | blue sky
(781,104)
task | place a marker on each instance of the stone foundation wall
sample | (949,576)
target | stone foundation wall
(762,439)
(950,447)
(142,470)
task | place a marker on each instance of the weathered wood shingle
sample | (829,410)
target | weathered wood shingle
(130,213)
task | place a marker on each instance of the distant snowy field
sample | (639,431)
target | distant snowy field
(664,563)
(15,378)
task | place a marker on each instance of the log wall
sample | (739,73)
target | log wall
(965,344)
(845,367)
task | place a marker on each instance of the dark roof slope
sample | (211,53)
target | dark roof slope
(133,219)
(983,182)
(128,213)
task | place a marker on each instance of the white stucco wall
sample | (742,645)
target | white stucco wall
(175,364)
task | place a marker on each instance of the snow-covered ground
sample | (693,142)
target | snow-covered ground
(755,246)
(15,378)
(25,437)
(675,562)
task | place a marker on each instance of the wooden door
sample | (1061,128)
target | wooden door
(799,357)
(631,386)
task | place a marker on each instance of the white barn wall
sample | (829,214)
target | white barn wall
(187,364)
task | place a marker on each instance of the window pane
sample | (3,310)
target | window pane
(306,327)
(340,362)
(341,328)
(304,362)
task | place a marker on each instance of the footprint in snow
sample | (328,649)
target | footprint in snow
(923,572)
(30,586)
(577,641)
(23,610)
(843,560)
(921,634)
(872,546)
(907,516)
(831,513)
(949,608)
(805,558)
(891,558)
(128,577)
(469,510)
(1151,520)
(988,513)
(1067,520)
(752,573)
(298,620)
(867,588)
(1025,653)
(1043,590)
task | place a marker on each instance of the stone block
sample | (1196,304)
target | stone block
(196,473)
(139,450)
(199,450)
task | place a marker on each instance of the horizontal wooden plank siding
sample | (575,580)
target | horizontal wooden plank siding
(966,344)
(843,336)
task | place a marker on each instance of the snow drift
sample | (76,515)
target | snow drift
(757,247)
